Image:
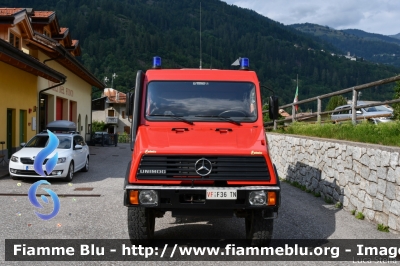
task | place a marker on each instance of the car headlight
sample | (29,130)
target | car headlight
(14,159)
(61,160)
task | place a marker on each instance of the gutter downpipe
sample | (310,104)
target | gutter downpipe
(49,88)
(40,94)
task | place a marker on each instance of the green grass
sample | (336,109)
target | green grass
(338,205)
(360,216)
(317,194)
(353,212)
(383,228)
(383,133)
(328,200)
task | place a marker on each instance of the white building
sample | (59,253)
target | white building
(110,108)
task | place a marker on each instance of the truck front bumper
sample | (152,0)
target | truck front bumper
(186,199)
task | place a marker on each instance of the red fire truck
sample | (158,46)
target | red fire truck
(199,149)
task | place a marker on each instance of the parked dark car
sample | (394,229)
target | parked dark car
(102,138)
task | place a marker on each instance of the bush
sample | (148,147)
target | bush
(123,138)
(98,126)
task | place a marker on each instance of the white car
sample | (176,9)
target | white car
(73,155)
(375,114)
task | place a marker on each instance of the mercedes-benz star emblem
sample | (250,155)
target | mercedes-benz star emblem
(203,167)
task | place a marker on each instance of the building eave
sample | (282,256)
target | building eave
(12,56)
(75,66)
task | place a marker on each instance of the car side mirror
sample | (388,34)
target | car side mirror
(78,147)
(129,103)
(273,108)
(22,144)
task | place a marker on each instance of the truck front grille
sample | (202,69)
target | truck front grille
(223,168)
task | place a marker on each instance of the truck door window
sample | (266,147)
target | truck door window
(201,101)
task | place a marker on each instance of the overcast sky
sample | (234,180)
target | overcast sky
(374,16)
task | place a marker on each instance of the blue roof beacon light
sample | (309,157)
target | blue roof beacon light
(244,63)
(157,62)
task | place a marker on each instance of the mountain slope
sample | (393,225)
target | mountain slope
(396,36)
(372,36)
(122,36)
(372,47)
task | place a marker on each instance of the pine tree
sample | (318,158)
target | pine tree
(335,101)
(396,106)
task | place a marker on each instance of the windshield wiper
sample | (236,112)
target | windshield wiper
(226,118)
(176,117)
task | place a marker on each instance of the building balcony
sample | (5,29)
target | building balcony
(111,120)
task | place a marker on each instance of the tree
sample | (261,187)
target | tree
(335,101)
(98,126)
(396,106)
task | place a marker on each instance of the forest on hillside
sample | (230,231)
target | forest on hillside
(122,36)
(368,46)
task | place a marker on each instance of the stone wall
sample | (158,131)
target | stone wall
(363,177)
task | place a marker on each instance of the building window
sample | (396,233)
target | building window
(15,40)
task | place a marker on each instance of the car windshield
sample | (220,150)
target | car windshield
(379,108)
(193,101)
(40,141)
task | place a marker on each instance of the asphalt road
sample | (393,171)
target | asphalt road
(92,208)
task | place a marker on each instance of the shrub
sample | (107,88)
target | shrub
(98,126)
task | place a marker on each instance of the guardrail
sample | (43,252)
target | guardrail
(353,107)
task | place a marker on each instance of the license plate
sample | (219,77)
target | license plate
(221,194)
(28,167)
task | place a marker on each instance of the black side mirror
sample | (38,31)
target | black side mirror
(129,104)
(273,108)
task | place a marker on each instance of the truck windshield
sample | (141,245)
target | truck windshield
(201,101)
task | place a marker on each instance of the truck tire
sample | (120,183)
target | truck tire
(141,223)
(258,230)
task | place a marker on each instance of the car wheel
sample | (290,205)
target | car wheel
(86,167)
(70,174)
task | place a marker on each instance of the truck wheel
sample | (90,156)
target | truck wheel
(258,229)
(141,223)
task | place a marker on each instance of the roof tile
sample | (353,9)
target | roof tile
(9,11)
(42,14)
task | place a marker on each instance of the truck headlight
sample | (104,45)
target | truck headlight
(61,160)
(257,198)
(14,159)
(148,197)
